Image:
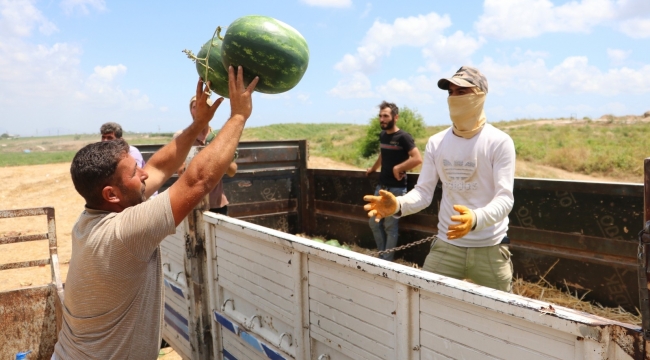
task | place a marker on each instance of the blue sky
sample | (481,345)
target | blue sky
(68,66)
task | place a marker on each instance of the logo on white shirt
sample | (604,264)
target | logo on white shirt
(457,173)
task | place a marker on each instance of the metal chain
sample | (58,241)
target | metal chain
(377,253)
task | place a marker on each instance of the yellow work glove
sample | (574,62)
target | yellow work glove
(381,206)
(466,220)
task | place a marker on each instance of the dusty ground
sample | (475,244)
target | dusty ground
(50,185)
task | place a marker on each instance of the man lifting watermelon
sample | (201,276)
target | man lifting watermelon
(476,165)
(113,293)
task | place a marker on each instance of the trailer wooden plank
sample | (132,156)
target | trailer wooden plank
(467,336)
(259,290)
(442,349)
(347,348)
(382,321)
(360,326)
(319,349)
(351,293)
(238,348)
(253,278)
(283,267)
(258,300)
(374,346)
(172,252)
(258,268)
(371,284)
(503,327)
(277,252)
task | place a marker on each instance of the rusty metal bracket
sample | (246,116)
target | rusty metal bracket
(644,296)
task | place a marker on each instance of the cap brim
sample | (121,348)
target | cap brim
(444,83)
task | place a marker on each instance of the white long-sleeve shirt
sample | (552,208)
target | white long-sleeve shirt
(478,173)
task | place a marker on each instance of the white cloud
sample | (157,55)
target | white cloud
(163,109)
(617,56)
(573,76)
(44,82)
(455,49)
(381,38)
(516,19)
(82,6)
(304,98)
(19,17)
(366,11)
(414,90)
(329,3)
(636,28)
(355,86)
(108,73)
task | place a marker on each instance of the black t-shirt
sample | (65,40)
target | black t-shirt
(395,149)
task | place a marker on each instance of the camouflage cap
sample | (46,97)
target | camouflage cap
(466,76)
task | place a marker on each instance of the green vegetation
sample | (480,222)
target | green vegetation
(615,150)
(36,158)
(601,147)
(59,149)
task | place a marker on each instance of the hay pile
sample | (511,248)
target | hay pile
(545,291)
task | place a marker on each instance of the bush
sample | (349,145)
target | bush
(409,120)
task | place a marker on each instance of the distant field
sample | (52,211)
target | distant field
(612,148)
(58,149)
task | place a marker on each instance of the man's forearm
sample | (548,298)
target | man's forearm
(209,165)
(171,156)
(409,164)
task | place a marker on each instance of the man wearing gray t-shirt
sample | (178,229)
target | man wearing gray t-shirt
(113,293)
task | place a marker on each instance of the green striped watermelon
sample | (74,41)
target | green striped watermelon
(267,48)
(217,75)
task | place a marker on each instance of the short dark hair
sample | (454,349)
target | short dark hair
(93,168)
(111,127)
(394,110)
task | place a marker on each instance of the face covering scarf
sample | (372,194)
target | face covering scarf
(466,112)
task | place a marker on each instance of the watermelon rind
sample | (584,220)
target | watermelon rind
(217,74)
(268,48)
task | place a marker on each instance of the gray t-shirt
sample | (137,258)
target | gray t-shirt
(113,292)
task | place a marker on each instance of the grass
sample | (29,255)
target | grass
(612,148)
(59,149)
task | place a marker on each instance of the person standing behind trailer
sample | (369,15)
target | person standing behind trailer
(218,200)
(114,289)
(476,164)
(111,131)
(397,155)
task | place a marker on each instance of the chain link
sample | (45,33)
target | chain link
(416,243)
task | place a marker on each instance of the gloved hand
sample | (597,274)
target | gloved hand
(466,220)
(381,206)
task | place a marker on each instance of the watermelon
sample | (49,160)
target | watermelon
(346,247)
(319,240)
(333,242)
(267,48)
(217,75)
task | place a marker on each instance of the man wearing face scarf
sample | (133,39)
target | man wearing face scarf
(476,164)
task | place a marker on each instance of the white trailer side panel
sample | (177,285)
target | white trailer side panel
(278,296)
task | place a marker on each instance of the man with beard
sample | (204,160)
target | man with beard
(397,155)
(476,164)
(113,293)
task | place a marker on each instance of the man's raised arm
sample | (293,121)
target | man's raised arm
(168,159)
(207,168)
